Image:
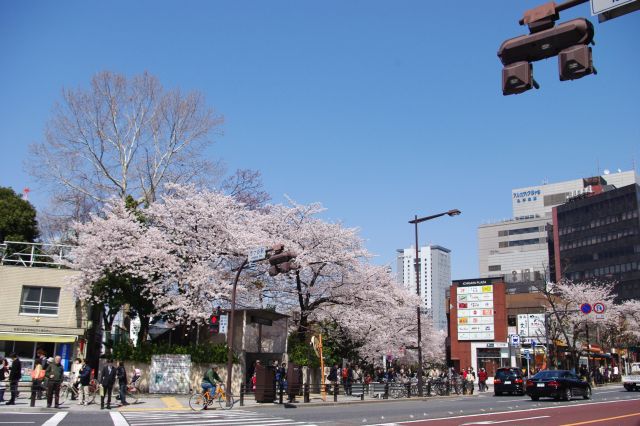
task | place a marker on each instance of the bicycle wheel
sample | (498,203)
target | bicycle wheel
(222,400)
(132,398)
(64,393)
(198,401)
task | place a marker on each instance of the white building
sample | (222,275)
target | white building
(435,278)
(518,249)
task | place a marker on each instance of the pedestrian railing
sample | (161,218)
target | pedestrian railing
(284,393)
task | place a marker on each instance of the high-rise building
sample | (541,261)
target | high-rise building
(519,248)
(598,237)
(435,278)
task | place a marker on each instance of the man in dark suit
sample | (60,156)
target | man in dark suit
(15,373)
(107,379)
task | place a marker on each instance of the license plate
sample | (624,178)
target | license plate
(540,385)
(508,382)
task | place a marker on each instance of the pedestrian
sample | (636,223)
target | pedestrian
(15,373)
(347,377)
(75,376)
(470,379)
(333,374)
(54,374)
(121,374)
(85,380)
(37,375)
(107,379)
(4,374)
(482,380)
(42,356)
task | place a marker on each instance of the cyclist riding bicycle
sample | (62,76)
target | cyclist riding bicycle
(211,380)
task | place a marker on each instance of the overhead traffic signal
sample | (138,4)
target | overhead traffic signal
(569,41)
(281,261)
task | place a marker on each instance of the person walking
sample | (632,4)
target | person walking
(470,379)
(121,374)
(54,374)
(85,380)
(4,374)
(15,373)
(107,379)
(482,380)
(37,375)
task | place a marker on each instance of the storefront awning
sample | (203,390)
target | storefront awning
(57,338)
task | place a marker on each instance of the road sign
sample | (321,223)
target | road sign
(257,254)
(598,308)
(515,340)
(601,6)
(224,321)
(585,308)
(599,316)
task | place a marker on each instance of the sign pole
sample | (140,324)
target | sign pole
(322,387)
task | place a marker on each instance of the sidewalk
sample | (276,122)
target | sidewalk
(168,402)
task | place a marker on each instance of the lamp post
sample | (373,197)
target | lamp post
(415,222)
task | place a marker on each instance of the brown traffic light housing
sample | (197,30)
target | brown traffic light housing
(575,62)
(518,78)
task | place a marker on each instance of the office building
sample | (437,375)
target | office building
(597,236)
(435,278)
(519,248)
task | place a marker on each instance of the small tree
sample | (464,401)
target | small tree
(17,218)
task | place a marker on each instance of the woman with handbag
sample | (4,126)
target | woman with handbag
(37,375)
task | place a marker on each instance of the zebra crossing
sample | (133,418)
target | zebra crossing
(201,418)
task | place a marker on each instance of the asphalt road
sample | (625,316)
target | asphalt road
(610,406)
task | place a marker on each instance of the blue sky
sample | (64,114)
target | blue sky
(378,109)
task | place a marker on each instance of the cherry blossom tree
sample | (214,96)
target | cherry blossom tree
(564,300)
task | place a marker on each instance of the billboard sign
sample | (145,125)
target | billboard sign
(475,312)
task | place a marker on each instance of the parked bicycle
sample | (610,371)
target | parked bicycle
(68,391)
(132,394)
(201,401)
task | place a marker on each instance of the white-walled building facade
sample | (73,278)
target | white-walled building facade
(435,278)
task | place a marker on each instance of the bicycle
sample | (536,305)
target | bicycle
(202,400)
(132,394)
(67,389)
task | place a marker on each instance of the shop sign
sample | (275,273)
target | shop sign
(475,311)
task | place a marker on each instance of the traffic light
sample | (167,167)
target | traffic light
(575,62)
(214,321)
(568,40)
(281,261)
(518,78)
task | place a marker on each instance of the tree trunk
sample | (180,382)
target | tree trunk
(144,329)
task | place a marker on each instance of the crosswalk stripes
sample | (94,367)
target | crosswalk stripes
(202,418)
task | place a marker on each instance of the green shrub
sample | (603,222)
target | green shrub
(205,353)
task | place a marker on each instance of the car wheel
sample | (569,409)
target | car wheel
(535,398)
(566,395)
(587,393)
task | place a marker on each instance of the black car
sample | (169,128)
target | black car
(508,380)
(558,384)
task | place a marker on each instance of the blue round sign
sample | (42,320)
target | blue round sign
(585,308)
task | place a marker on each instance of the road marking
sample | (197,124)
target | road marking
(118,419)
(513,411)
(57,418)
(602,420)
(15,423)
(172,403)
(495,422)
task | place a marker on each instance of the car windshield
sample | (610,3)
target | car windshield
(501,374)
(553,374)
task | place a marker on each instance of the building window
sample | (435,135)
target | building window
(495,267)
(40,300)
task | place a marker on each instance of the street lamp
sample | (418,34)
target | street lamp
(415,222)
